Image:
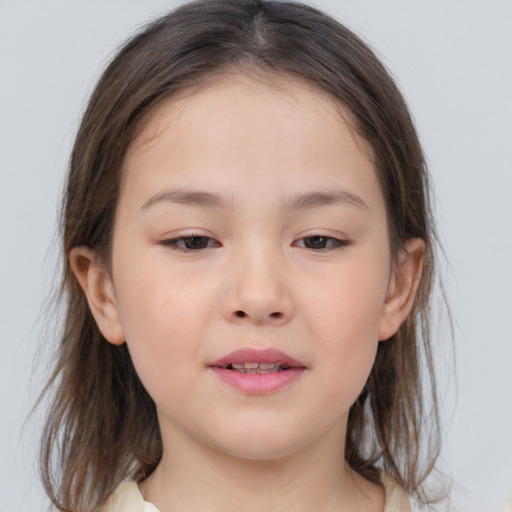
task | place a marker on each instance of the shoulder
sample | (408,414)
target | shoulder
(396,497)
(127,498)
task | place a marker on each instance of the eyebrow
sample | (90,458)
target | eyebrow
(211,200)
(316,199)
(190,198)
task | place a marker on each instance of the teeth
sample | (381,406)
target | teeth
(258,367)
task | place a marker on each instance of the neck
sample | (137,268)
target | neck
(192,477)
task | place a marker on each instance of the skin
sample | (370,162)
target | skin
(263,279)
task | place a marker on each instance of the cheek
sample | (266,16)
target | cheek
(345,323)
(163,316)
(348,303)
(157,297)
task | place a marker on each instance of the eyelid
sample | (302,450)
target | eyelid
(174,242)
(331,242)
(334,242)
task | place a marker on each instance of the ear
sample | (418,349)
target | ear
(98,288)
(403,285)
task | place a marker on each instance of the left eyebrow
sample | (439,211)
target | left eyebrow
(316,199)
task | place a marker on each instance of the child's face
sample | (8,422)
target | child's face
(251,217)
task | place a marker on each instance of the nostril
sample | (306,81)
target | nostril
(277,315)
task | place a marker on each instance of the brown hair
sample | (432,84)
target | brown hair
(102,424)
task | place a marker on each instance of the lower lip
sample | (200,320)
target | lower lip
(258,383)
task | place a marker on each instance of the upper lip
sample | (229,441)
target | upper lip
(250,355)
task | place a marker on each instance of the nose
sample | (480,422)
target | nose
(258,292)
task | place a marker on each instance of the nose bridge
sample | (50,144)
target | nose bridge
(258,288)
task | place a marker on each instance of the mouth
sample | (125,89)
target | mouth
(257,361)
(257,367)
(258,372)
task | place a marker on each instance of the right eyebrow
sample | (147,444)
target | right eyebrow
(190,198)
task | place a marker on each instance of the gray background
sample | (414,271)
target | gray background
(453,60)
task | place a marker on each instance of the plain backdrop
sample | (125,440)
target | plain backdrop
(452,59)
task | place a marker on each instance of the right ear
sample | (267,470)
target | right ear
(98,288)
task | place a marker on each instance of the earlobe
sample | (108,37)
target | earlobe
(97,286)
(402,288)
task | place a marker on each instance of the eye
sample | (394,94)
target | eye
(191,243)
(319,242)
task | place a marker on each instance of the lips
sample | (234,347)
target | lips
(257,371)
(262,357)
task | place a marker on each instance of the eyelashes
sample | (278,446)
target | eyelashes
(319,242)
(196,243)
(191,243)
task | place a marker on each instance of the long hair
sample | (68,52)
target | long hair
(102,425)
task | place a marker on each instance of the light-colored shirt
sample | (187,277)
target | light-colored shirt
(127,498)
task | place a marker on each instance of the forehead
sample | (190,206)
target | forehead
(241,133)
(218,91)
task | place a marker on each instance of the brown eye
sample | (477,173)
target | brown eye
(319,242)
(196,242)
(316,242)
(191,243)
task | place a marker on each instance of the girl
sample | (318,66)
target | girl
(249,261)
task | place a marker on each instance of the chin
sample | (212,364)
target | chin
(263,444)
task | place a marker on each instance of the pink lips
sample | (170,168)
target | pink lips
(258,383)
